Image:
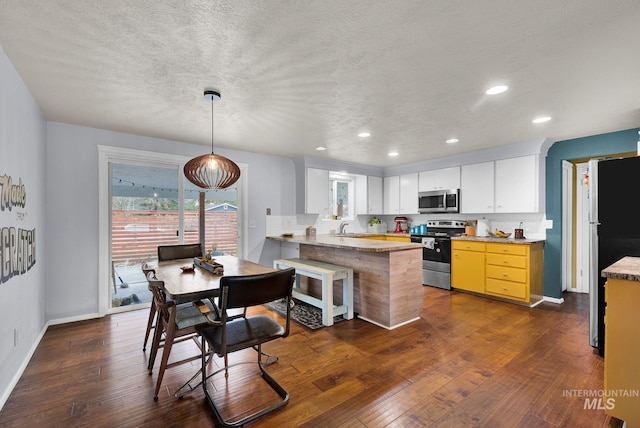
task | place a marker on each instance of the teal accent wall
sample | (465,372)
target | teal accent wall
(579,148)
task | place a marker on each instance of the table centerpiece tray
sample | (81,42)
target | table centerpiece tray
(210,265)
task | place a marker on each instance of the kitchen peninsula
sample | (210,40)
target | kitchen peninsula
(387,274)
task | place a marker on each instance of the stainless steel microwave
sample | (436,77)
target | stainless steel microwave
(439,201)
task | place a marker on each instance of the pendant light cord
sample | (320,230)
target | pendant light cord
(212,125)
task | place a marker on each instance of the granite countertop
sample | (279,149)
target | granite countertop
(351,242)
(498,240)
(626,268)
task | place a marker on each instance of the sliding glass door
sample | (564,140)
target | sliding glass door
(150,203)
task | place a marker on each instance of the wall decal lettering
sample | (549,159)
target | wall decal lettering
(17,245)
(11,195)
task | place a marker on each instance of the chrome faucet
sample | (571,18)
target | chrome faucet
(342,227)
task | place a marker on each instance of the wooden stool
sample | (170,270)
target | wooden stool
(326,273)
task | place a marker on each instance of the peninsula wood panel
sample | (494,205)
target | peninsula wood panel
(387,286)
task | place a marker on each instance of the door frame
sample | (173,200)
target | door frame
(567,226)
(109,154)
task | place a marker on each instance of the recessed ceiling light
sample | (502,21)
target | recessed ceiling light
(393,154)
(541,119)
(497,90)
(452,141)
(321,149)
(364,135)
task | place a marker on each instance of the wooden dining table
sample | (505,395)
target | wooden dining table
(200,283)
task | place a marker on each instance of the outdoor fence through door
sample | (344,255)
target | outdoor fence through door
(147,210)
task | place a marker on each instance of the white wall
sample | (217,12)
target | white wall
(72,206)
(22,156)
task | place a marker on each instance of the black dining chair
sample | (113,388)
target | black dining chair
(231,334)
(167,252)
(175,323)
(180,251)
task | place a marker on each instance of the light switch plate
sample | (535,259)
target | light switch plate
(252,224)
(548,224)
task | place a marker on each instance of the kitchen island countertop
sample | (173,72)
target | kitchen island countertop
(627,268)
(354,242)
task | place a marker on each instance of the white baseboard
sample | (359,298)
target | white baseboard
(22,368)
(74,319)
(553,300)
(388,328)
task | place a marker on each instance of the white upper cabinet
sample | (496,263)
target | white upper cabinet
(516,185)
(401,194)
(374,195)
(317,192)
(438,179)
(409,194)
(391,195)
(476,188)
(503,186)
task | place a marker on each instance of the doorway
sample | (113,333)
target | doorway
(146,202)
(575,228)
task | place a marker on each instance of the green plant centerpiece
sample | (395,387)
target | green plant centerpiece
(374,220)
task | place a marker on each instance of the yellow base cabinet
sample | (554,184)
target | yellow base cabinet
(509,271)
(404,238)
(467,265)
(621,350)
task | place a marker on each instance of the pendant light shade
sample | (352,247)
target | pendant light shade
(211,171)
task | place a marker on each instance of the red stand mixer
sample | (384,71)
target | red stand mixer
(402,225)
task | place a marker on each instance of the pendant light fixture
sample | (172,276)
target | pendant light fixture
(211,171)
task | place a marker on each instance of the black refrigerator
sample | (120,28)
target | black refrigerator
(614,191)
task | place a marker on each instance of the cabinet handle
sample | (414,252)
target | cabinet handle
(505,288)
(505,275)
(505,262)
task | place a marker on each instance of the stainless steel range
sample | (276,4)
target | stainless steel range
(436,251)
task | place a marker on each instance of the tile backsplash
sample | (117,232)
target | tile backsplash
(532,223)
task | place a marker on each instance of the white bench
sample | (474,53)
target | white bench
(326,273)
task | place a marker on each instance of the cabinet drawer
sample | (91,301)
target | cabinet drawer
(506,260)
(467,245)
(516,249)
(506,288)
(507,273)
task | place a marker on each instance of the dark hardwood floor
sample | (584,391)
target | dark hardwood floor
(469,361)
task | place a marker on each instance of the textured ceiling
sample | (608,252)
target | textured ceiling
(299,74)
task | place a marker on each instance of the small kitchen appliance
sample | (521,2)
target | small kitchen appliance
(402,225)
